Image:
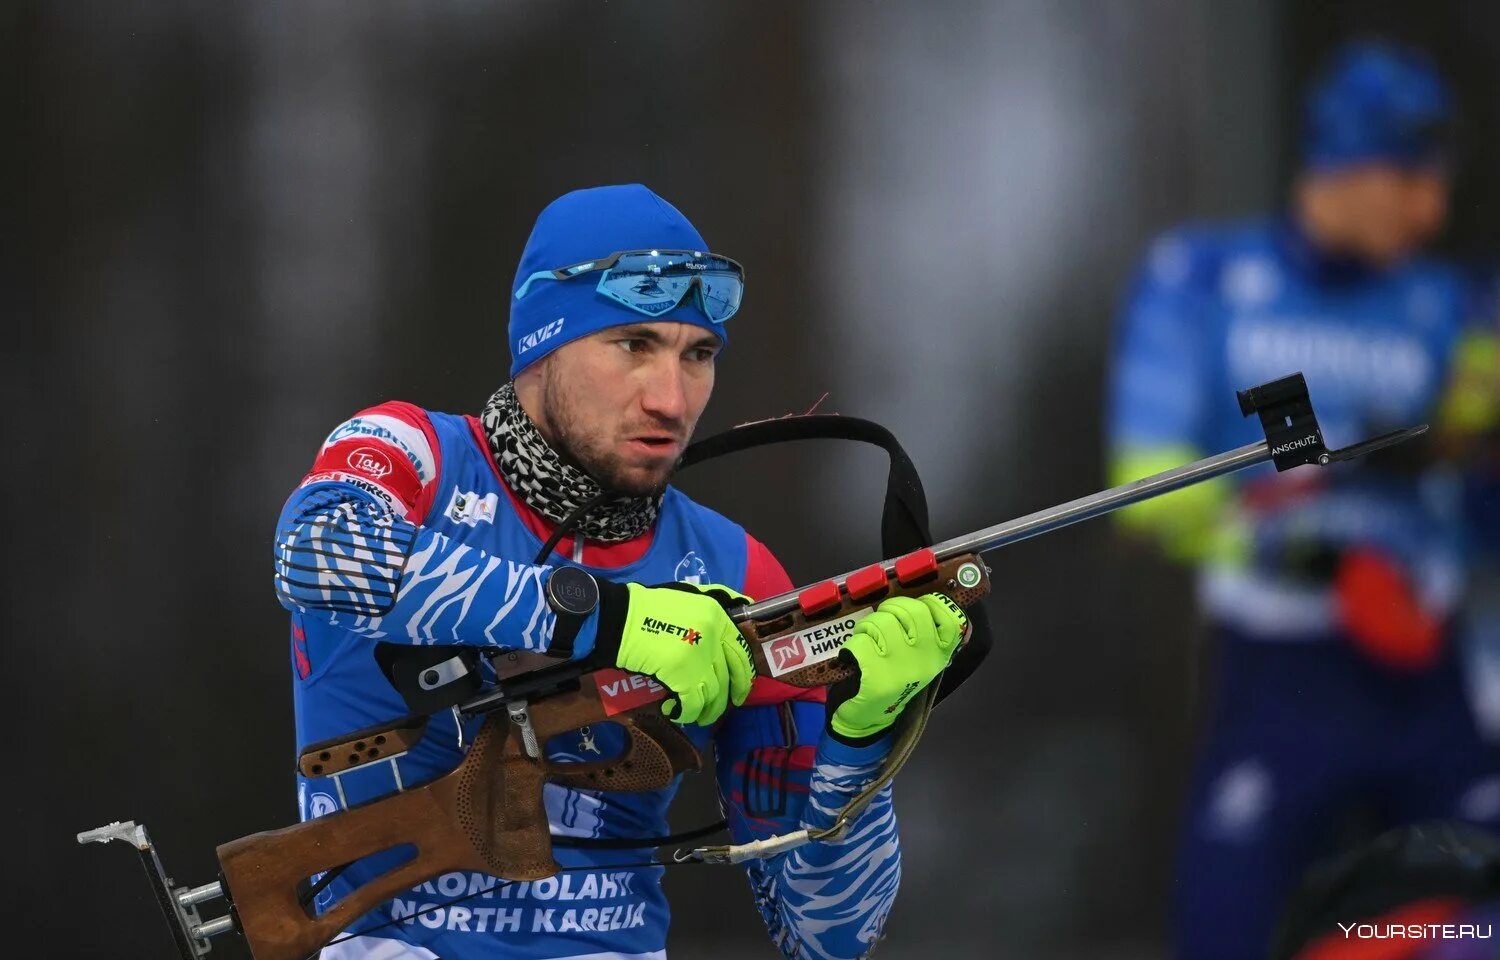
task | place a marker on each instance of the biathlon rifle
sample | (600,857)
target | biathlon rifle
(487,815)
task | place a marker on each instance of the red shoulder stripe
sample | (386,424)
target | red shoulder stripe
(389,450)
(367,463)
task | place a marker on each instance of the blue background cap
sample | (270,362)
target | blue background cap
(1377,102)
(585,225)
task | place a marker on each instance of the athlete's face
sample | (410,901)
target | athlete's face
(1376,212)
(622,403)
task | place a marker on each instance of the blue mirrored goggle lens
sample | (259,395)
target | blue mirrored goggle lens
(719,294)
(653,284)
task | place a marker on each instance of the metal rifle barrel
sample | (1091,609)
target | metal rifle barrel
(1054,518)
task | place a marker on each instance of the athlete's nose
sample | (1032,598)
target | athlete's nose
(664,395)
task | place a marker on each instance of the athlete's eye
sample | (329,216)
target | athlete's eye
(702,354)
(630,345)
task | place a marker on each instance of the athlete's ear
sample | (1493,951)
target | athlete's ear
(531,384)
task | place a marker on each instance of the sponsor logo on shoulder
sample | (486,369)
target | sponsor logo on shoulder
(363,483)
(472,509)
(371,462)
(405,437)
(620,691)
(810,645)
(539,337)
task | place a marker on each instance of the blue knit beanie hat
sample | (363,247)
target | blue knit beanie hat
(586,225)
(1378,102)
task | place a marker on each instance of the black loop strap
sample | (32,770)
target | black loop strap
(903,522)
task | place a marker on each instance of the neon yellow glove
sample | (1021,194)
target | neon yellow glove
(681,635)
(1471,402)
(1188,524)
(900,648)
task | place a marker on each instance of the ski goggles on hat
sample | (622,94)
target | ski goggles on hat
(654,282)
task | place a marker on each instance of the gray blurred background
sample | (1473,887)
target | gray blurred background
(234,224)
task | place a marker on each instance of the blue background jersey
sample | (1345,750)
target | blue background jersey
(1306,728)
(1218,309)
(404,532)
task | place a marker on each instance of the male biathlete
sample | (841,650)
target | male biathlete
(417,527)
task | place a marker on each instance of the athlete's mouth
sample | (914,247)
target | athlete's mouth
(655,442)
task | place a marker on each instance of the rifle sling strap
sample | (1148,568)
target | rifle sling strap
(903,520)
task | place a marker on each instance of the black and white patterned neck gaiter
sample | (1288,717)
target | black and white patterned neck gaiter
(551,487)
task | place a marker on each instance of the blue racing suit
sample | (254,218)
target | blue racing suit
(1473,415)
(1319,702)
(405,532)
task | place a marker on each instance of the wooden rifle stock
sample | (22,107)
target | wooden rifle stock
(487,816)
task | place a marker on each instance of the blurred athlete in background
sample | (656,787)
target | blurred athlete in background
(1431,891)
(1471,417)
(1332,593)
